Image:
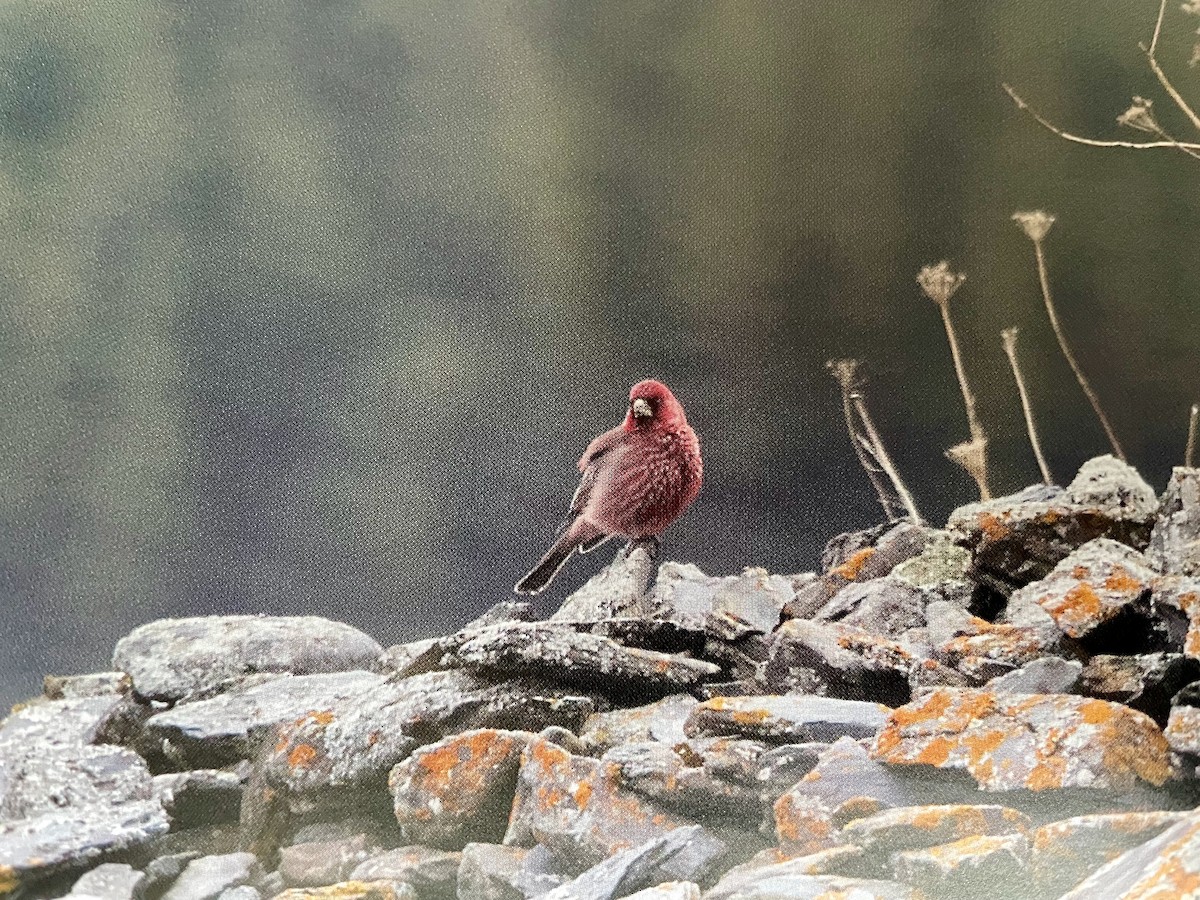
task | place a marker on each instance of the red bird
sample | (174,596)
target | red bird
(638,478)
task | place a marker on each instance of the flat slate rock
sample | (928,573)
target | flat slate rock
(1032,742)
(109,881)
(74,838)
(228,727)
(787,718)
(774,886)
(1175,542)
(981,867)
(684,851)
(1044,675)
(620,589)
(571,657)
(74,721)
(172,658)
(431,872)
(205,878)
(1165,866)
(915,827)
(662,721)
(42,781)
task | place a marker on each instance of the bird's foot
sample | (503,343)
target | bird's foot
(652,545)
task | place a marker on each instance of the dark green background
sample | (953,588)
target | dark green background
(309,307)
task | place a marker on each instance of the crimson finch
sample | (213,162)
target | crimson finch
(638,478)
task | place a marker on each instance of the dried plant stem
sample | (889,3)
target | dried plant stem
(1044,279)
(845,372)
(885,461)
(1158,72)
(1093,142)
(1009,338)
(1189,454)
(961,373)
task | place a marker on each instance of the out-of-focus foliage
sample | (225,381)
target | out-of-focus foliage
(310,306)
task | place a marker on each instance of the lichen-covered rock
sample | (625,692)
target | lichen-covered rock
(836,660)
(845,859)
(359,740)
(355,890)
(1167,866)
(885,606)
(668,890)
(780,767)
(208,876)
(230,726)
(566,656)
(1175,541)
(671,778)
(915,827)
(622,588)
(662,721)
(729,607)
(578,808)
(1092,587)
(93,684)
(772,886)
(1044,675)
(984,650)
(1067,851)
(172,658)
(1175,600)
(804,824)
(787,719)
(1145,682)
(459,789)
(1018,539)
(1033,742)
(432,873)
(985,866)
(41,845)
(200,797)
(413,658)
(319,863)
(70,722)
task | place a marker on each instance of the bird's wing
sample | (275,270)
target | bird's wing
(596,459)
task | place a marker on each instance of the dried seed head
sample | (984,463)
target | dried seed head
(1140,116)
(972,456)
(1191,7)
(1009,338)
(939,283)
(845,371)
(1036,223)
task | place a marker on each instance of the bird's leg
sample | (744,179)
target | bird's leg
(652,545)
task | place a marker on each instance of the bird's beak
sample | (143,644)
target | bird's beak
(641,408)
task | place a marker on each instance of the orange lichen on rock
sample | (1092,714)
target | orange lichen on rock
(1123,581)
(302,756)
(993,527)
(851,568)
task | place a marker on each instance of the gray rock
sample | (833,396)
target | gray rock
(772,886)
(326,862)
(36,780)
(245,892)
(1018,539)
(200,797)
(359,740)
(1165,866)
(914,827)
(433,873)
(836,660)
(1044,675)
(504,611)
(874,552)
(619,590)
(172,658)
(787,719)
(669,890)
(730,759)
(109,881)
(569,657)
(942,568)
(750,603)
(494,872)
(1146,682)
(94,684)
(415,658)
(976,868)
(228,727)
(781,767)
(1175,542)
(684,595)
(62,723)
(886,606)
(659,721)
(41,845)
(205,878)
(684,852)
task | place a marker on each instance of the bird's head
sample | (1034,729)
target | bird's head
(652,405)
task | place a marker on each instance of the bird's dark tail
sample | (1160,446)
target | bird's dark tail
(579,534)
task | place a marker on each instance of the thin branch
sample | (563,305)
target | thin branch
(845,373)
(1044,280)
(1009,338)
(1189,455)
(885,461)
(1170,88)
(1092,142)
(1162,10)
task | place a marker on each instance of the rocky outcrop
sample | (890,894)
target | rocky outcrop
(1007,707)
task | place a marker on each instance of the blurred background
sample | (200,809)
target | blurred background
(311,306)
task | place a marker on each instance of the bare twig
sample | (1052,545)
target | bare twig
(845,372)
(1035,225)
(1189,454)
(881,456)
(1093,142)
(1152,60)
(1009,338)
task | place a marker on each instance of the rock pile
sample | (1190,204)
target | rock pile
(1007,707)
